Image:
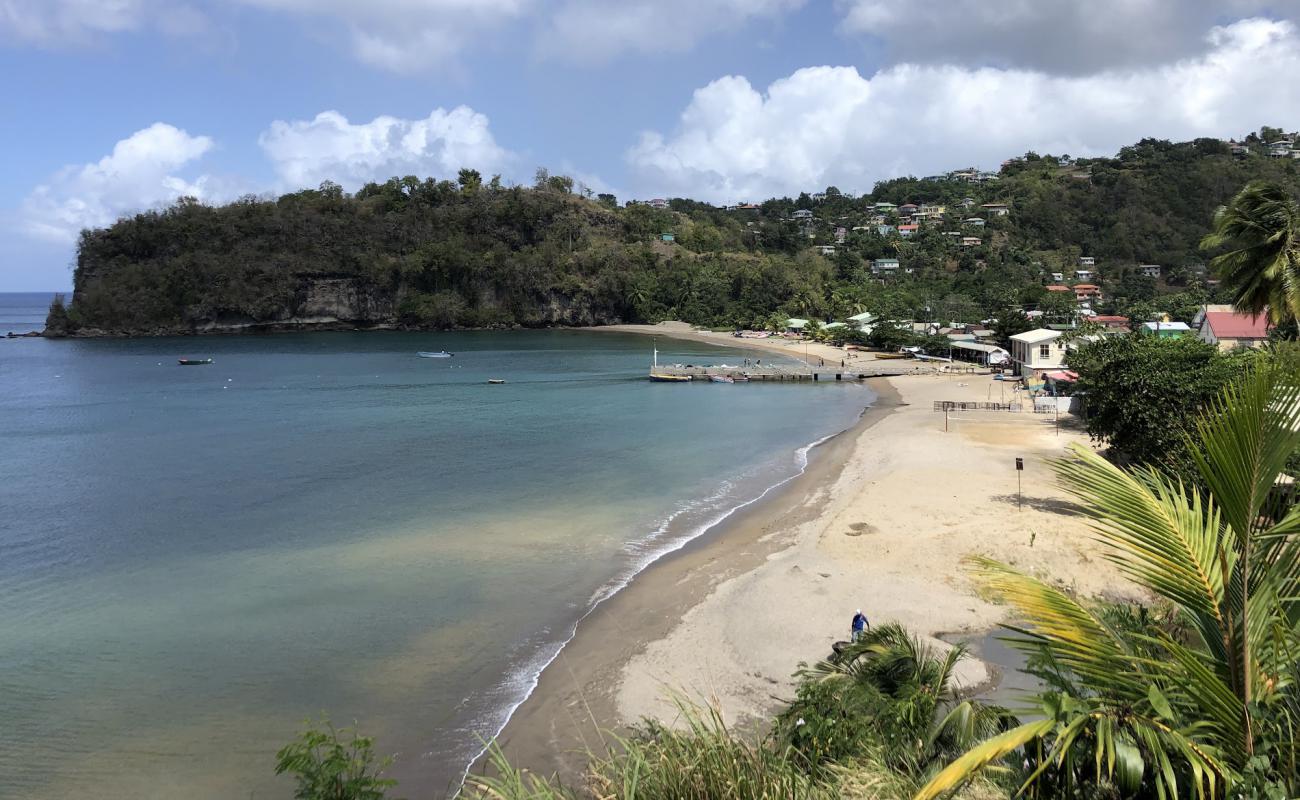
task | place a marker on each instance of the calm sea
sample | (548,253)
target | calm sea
(194,560)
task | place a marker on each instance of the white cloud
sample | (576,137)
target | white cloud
(140,172)
(407,35)
(63,22)
(305,153)
(830,125)
(1059,36)
(596,30)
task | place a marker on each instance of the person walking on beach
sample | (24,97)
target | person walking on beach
(860,625)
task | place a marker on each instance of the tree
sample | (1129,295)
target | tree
(332,764)
(1205,709)
(607,200)
(1144,391)
(888,690)
(1010,322)
(470,181)
(1260,233)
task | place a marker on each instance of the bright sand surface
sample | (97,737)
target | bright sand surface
(881,521)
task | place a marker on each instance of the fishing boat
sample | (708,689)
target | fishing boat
(193,362)
(740,379)
(496,380)
(664,377)
(893,355)
(721,379)
(439,354)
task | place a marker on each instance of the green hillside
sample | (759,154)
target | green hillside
(469,253)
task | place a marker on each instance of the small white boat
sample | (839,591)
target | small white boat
(740,379)
(722,379)
(496,381)
(439,354)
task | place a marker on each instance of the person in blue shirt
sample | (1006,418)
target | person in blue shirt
(860,625)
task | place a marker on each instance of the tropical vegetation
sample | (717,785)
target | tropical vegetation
(463,251)
(1259,234)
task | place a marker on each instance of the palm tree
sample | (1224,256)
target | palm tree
(1196,709)
(895,691)
(1260,229)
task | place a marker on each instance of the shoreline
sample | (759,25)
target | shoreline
(881,519)
(532,737)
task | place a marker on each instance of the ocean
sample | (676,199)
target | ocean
(196,560)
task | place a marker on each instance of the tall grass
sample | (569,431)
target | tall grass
(700,760)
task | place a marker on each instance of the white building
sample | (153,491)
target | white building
(1037,351)
(1149,270)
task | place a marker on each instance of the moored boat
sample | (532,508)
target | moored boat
(496,380)
(721,379)
(664,377)
(193,362)
(439,354)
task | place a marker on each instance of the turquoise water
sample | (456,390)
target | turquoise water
(196,559)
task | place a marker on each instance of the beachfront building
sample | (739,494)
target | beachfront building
(863,322)
(1038,351)
(1232,329)
(990,355)
(795,325)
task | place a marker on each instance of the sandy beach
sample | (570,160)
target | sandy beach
(881,521)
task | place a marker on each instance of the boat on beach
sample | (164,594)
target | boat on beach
(193,362)
(430,354)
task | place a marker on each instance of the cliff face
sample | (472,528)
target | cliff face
(317,261)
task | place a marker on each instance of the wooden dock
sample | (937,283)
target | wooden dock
(797,372)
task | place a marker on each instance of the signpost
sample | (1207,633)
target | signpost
(1020,467)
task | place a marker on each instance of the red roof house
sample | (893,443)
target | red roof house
(1230,329)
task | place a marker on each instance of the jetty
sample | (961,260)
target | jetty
(860,370)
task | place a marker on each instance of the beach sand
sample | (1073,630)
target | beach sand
(881,521)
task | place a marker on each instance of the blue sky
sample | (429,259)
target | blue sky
(112,106)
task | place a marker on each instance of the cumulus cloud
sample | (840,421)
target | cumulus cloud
(141,172)
(407,35)
(1060,36)
(305,153)
(594,30)
(62,22)
(830,125)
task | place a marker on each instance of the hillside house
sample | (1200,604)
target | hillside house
(1083,274)
(885,230)
(1149,270)
(1113,323)
(907,209)
(826,250)
(1166,330)
(1239,150)
(971,241)
(997,209)
(968,202)
(1231,329)
(908,231)
(974,222)
(885,208)
(885,266)
(1086,292)
(1056,287)
(1280,149)
(667,237)
(802,214)
(841,233)
(1087,261)
(657,202)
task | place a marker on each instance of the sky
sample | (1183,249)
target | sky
(110,107)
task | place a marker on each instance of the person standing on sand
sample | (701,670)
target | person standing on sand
(860,625)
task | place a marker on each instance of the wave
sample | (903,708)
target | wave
(648,550)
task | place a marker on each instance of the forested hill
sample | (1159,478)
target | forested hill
(469,253)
